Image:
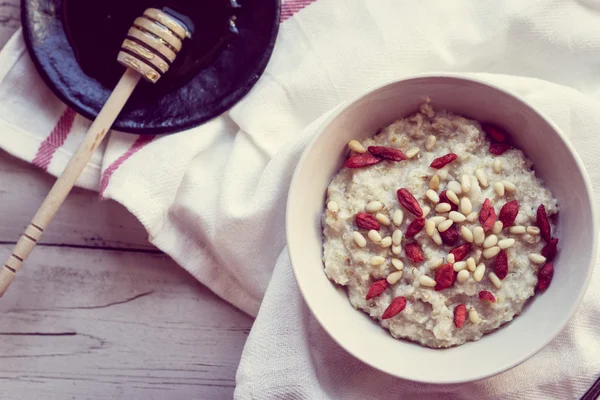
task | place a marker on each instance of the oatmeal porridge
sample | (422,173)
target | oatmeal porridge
(439,229)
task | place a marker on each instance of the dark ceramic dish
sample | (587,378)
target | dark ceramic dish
(74,44)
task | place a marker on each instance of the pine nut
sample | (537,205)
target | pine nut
(533,230)
(517,230)
(471,264)
(495,280)
(437,238)
(398,217)
(465,183)
(430,142)
(359,239)
(477,255)
(434,183)
(479,271)
(466,207)
(506,243)
(410,153)
(466,233)
(497,166)
(452,196)
(377,260)
(454,186)
(399,265)
(459,265)
(374,236)
(397,250)
(463,276)
(443,173)
(490,241)
(444,226)
(333,206)
(478,235)
(509,186)
(374,206)
(472,217)
(443,208)
(426,281)
(497,228)
(356,146)
(491,252)
(437,219)
(429,227)
(426,210)
(499,189)
(456,216)
(383,219)
(394,277)
(397,237)
(437,263)
(481,177)
(386,242)
(450,258)
(432,196)
(473,316)
(537,258)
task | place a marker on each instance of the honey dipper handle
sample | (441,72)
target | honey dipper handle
(65,182)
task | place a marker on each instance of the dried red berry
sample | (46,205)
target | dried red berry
(550,249)
(487,215)
(395,307)
(543,223)
(508,213)
(499,148)
(414,253)
(387,153)
(461,252)
(367,221)
(409,202)
(460,315)
(444,277)
(488,296)
(415,227)
(501,267)
(450,236)
(545,275)
(376,288)
(361,160)
(494,133)
(442,161)
(444,199)
(484,213)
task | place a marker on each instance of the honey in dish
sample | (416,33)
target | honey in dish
(96,30)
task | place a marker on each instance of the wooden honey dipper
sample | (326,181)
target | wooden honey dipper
(151,46)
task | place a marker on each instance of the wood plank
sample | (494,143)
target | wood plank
(112,324)
(83,220)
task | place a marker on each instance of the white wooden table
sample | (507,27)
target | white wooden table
(98,312)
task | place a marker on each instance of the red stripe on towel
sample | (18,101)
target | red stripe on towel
(54,140)
(291,7)
(139,144)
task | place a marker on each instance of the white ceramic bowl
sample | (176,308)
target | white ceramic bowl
(555,161)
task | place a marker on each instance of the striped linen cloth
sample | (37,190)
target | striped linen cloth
(213,197)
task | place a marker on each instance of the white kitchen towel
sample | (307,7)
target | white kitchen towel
(214,197)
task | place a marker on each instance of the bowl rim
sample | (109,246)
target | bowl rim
(469,78)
